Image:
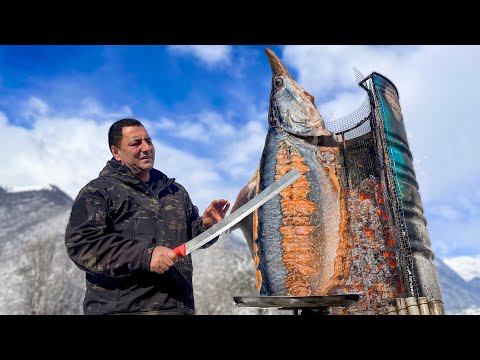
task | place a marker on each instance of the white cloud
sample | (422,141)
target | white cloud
(34,107)
(455,237)
(192,131)
(65,152)
(453,226)
(58,149)
(179,128)
(244,151)
(341,106)
(164,123)
(208,54)
(182,129)
(216,124)
(446,212)
(92,108)
(204,127)
(323,69)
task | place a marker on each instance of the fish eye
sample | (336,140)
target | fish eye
(278,81)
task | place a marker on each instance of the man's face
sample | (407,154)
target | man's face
(136,150)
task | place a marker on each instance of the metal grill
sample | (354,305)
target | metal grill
(381,253)
(390,178)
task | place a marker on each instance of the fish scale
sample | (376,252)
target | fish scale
(299,233)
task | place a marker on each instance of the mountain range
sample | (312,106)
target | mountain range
(37,277)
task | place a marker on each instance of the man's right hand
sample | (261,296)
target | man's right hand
(162,259)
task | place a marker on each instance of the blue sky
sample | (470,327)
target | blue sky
(206,108)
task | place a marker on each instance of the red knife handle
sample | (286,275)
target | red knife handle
(181,250)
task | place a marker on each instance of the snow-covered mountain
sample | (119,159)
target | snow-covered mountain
(37,277)
(466,266)
(22,210)
(458,294)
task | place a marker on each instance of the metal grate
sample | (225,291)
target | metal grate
(390,177)
(381,255)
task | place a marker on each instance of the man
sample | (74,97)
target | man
(124,225)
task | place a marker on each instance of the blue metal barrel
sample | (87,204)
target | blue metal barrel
(407,187)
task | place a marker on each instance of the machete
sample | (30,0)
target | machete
(247,208)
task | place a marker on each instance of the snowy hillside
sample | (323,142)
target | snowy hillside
(36,275)
(466,266)
(222,271)
(457,293)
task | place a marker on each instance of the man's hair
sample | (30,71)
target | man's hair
(115,131)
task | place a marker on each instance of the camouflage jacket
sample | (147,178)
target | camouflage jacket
(115,223)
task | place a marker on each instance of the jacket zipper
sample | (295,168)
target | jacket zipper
(134,227)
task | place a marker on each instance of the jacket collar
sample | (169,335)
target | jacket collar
(117,170)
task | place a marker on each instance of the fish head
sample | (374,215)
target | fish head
(292,107)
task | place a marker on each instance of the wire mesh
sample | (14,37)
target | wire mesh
(389,177)
(381,255)
(358,75)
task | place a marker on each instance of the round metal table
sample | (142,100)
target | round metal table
(308,304)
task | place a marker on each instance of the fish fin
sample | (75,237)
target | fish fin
(246,225)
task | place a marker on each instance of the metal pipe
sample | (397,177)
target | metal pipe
(390,310)
(412,306)
(423,305)
(401,306)
(436,307)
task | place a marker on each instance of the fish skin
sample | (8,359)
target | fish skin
(308,220)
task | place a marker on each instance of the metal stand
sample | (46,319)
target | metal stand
(307,305)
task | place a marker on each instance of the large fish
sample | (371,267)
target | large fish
(299,240)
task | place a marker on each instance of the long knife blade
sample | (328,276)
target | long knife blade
(247,208)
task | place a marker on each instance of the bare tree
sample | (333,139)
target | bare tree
(67,288)
(49,282)
(35,275)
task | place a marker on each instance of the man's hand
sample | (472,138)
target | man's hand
(162,259)
(215,212)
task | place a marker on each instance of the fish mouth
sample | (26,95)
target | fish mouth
(277,66)
(279,69)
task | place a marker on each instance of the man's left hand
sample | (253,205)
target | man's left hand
(215,212)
